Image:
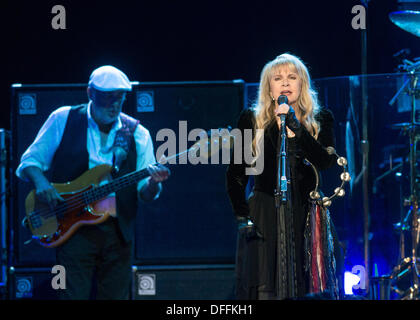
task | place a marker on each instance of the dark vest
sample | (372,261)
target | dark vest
(72,159)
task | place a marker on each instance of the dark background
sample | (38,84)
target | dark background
(190,41)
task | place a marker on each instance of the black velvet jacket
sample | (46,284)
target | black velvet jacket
(302,146)
(257,257)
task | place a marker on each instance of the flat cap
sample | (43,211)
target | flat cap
(109,78)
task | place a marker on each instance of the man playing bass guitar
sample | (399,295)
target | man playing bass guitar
(72,142)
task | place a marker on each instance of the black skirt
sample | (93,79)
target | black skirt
(270,253)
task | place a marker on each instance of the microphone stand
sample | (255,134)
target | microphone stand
(281,190)
(285,287)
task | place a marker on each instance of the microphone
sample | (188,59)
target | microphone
(282,100)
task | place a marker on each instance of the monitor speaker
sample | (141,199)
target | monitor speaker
(183,282)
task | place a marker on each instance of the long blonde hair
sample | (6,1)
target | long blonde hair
(307,104)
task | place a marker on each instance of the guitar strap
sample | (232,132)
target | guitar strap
(123,140)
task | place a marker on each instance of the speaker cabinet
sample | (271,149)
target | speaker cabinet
(31,106)
(183,282)
(31,283)
(192,221)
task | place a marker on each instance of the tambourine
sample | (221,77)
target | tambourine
(339,191)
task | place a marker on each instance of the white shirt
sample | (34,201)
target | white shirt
(41,152)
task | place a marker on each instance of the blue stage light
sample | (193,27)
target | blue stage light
(350,280)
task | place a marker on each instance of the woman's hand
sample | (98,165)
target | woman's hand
(283,109)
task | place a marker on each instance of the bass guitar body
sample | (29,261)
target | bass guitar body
(53,226)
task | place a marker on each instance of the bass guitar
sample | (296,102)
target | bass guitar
(86,202)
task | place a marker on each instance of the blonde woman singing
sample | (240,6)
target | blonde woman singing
(280,256)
